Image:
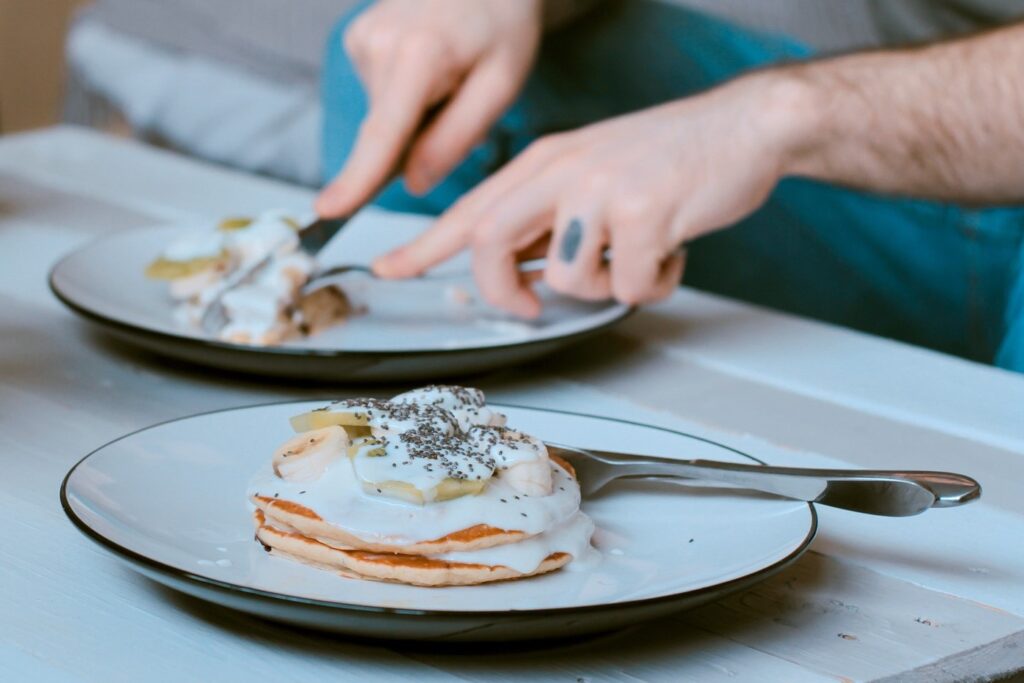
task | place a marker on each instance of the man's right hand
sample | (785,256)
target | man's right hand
(467,58)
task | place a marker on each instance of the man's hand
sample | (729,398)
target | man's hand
(640,185)
(465,58)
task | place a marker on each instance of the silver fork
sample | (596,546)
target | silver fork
(312,239)
(877,492)
(535,265)
(319,277)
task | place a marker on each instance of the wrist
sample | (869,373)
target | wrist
(791,115)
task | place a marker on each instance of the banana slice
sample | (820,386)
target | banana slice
(384,467)
(306,456)
(355,423)
(191,287)
(234,223)
(168,269)
(377,416)
(532,477)
(522,460)
(447,489)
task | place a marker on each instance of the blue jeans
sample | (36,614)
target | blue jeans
(929,273)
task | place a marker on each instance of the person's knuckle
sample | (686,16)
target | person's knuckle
(379,41)
(355,36)
(635,207)
(419,47)
(597,180)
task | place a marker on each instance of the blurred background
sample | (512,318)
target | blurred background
(237,81)
(32,61)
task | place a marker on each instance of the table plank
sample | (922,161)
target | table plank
(866,373)
(757,380)
(804,613)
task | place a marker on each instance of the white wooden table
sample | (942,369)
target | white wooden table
(930,598)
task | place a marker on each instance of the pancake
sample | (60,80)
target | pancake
(293,515)
(306,521)
(417,570)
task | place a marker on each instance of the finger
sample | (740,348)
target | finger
(392,120)
(575,263)
(636,262)
(449,235)
(641,276)
(519,222)
(531,277)
(357,41)
(670,276)
(463,123)
(496,257)
(454,230)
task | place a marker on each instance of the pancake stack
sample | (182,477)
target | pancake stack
(430,488)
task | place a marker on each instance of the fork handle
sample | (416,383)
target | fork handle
(878,491)
(894,493)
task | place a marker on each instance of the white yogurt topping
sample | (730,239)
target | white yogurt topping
(206,244)
(258,310)
(569,536)
(467,405)
(269,234)
(338,498)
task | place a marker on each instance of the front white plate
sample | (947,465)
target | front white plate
(171,499)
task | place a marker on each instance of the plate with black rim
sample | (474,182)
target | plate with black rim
(411,330)
(662,547)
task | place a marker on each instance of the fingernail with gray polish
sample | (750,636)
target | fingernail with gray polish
(571,240)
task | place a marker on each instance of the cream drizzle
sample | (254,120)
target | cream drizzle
(571,536)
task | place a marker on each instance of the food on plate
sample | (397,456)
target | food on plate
(268,307)
(429,488)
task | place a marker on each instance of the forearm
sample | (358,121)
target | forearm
(944,121)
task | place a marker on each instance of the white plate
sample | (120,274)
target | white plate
(413,330)
(170,500)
